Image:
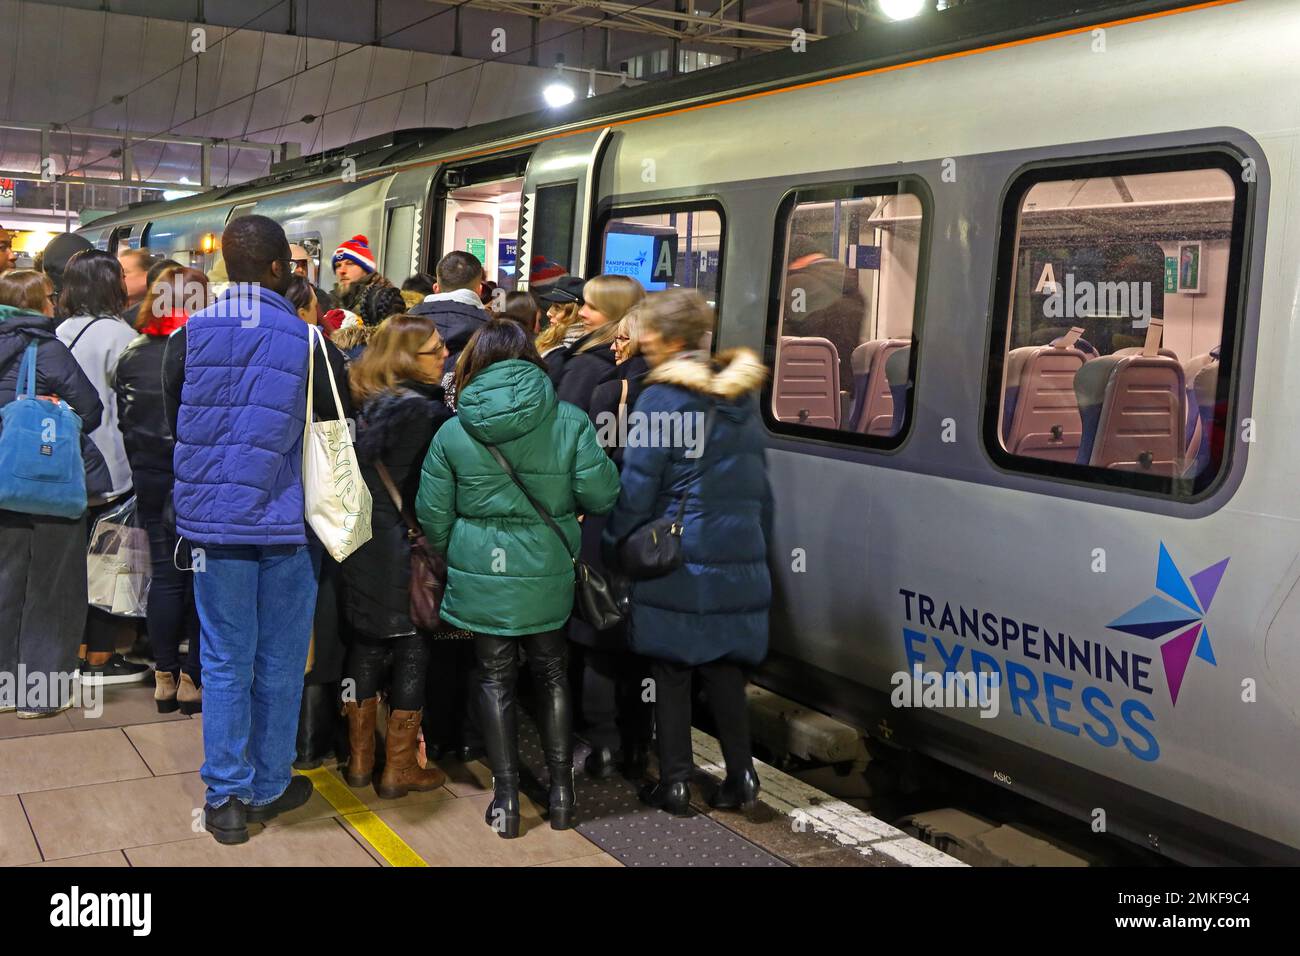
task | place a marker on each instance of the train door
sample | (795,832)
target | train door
(555,223)
(476,210)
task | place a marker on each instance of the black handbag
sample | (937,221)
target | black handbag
(600,601)
(655,549)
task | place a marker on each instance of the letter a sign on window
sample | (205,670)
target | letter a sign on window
(665,259)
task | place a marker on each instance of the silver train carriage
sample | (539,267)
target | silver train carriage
(1029,297)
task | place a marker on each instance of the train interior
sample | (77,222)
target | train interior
(847,302)
(1116,321)
(483,219)
(1111,358)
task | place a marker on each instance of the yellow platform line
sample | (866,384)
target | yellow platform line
(362,819)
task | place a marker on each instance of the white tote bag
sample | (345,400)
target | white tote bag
(337,500)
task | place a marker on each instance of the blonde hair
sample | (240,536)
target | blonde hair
(630,325)
(612,296)
(679,315)
(553,335)
(390,355)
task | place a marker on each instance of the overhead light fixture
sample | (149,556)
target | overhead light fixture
(559,93)
(900,9)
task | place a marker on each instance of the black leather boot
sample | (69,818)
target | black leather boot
(498,662)
(503,812)
(547,657)
(563,799)
(737,792)
(601,763)
(672,797)
(317,725)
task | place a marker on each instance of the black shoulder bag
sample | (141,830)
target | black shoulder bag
(655,548)
(597,600)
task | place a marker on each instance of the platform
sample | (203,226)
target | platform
(123,789)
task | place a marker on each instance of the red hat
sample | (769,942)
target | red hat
(356,249)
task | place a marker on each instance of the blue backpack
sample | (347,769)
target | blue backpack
(41,470)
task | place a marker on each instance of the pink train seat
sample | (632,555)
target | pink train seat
(807,387)
(1133,409)
(1040,409)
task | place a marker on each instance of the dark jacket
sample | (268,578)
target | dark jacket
(606,399)
(57,373)
(140,412)
(508,573)
(456,322)
(716,605)
(395,428)
(578,373)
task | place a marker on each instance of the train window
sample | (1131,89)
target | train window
(668,247)
(399,243)
(552,242)
(1116,309)
(846,271)
(243,209)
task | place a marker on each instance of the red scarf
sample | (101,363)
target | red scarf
(165,325)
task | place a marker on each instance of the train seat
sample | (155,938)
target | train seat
(1131,409)
(1040,409)
(1194,433)
(898,368)
(873,405)
(807,388)
(1206,389)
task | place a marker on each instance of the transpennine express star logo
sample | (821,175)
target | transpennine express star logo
(1159,616)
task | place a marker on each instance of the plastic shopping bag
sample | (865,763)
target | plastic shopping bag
(118,567)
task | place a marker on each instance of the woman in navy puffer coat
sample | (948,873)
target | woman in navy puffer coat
(711,614)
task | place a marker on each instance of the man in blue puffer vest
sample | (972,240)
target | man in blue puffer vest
(235,384)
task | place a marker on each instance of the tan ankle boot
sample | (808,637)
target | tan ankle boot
(361,741)
(402,772)
(164,692)
(189,696)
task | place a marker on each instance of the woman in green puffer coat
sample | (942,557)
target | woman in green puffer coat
(509,576)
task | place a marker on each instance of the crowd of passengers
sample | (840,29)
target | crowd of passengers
(192,391)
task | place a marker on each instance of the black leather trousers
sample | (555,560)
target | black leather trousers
(498,659)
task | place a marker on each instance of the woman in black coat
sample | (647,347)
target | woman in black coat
(137,383)
(43,559)
(400,408)
(589,361)
(617,722)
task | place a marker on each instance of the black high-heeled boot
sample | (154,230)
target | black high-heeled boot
(672,797)
(563,800)
(498,661)
(554,707)
(738,792)
(503,812)
(318,718)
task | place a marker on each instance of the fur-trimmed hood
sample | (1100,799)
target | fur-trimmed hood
(385,417)
(729,375)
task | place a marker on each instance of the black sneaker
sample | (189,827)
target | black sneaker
(116,670)
(295,795)
(227,823)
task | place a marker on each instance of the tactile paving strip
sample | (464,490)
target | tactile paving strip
(611,816)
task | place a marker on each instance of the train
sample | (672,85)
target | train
(1026,278)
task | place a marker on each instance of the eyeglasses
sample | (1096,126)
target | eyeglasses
(53,297)
(299,264)
(436,350)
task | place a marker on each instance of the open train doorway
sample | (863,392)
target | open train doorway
(478,209)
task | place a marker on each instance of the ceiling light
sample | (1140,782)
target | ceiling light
(559,94)
(900,9)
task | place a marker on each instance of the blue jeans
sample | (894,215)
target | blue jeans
(255,605)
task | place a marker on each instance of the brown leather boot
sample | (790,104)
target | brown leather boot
(189,696)
(402,772)
(361,741)
(164,692)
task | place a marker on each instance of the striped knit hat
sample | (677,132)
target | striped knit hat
(356,249)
